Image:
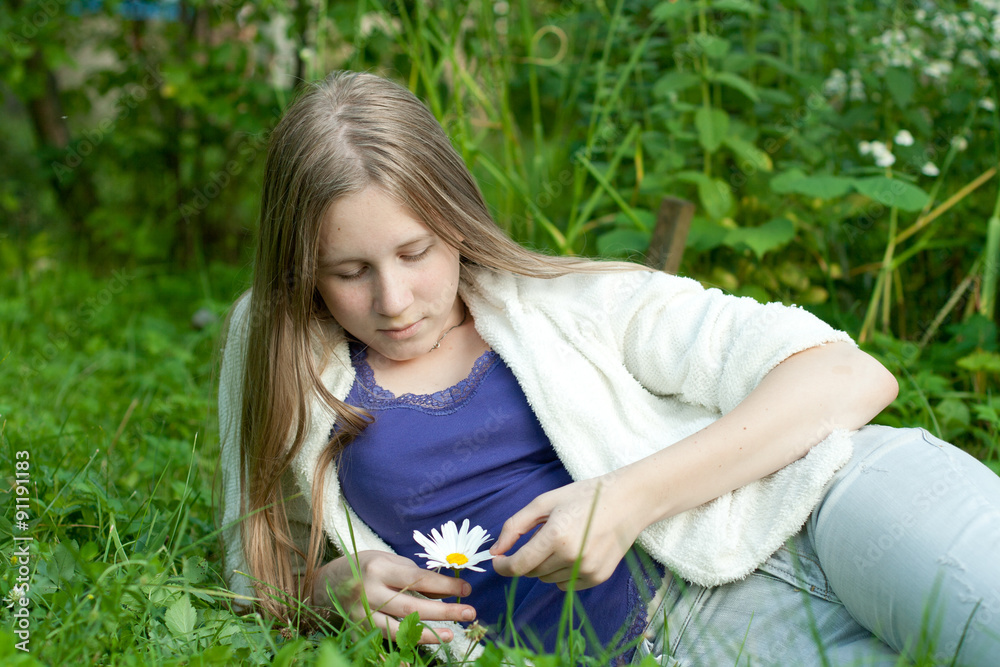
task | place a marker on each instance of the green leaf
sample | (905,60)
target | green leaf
(737,7)
(750,155)
(769,236)
(675,81)
(714,47)
(716,197)
(808,5)
(705,234)
(737,82)
(980,361)
(180,617)
(622,242)
(822,186)
(329,655)
(892,192)
(901,85)
(953,410)
(647,219)
(288,653)
(194,570)
(409,632)
(676,9)
(712,126)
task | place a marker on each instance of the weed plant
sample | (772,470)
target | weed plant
(577,118)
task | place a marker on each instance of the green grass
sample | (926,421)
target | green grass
(577,119)
(111,393)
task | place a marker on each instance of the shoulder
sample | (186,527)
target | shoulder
(595,289)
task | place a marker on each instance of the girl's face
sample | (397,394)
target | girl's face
(386,277)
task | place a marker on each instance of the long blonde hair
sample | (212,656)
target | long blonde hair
(343,134)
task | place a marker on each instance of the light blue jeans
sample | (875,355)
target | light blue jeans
(899,561)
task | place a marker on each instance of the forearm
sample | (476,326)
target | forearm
(798,404)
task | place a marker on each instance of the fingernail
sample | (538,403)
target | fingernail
(468,615)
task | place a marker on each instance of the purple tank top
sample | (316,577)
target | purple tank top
(476,451)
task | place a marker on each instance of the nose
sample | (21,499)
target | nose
(392,295)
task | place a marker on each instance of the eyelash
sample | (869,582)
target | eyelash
(406,258)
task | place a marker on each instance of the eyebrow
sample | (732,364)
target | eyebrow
(327,262)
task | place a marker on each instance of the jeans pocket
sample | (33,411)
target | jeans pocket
(796,564)
(646,648)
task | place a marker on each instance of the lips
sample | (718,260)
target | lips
(405,332)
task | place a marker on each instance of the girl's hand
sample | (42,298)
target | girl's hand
(384,578)
(593,520)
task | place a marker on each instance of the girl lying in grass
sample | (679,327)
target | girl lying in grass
(399,363)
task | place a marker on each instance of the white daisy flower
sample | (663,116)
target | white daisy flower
(988,104)
(864,147)
(904,138)
(454,548)
(930,169)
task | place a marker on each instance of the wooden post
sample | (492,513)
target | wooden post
(666,247)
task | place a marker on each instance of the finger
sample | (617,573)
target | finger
(528,558)
(560,576)
(419,580)
(390,628)
(401,605)
(531,515)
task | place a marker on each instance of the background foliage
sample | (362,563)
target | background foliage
(841,155)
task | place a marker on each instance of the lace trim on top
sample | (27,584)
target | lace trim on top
(446,401)
(638,603)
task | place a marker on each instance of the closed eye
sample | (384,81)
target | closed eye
(352,276)
(356,275)
(417,257)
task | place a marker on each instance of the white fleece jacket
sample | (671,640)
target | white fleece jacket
(615,366)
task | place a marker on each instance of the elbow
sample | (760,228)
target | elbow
(881,386)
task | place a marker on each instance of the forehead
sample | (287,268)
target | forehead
(368,220)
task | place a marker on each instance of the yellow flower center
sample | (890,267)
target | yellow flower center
(457,559)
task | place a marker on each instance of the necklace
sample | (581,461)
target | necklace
(464,317)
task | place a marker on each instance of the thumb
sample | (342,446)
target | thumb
(533,514)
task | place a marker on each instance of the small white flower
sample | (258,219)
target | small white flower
(960,143)
(856,91)
(454,548)
(885,159)
(968,58)
(930,169)
(988,104)
(836,84)
(864,147)
(904,138)
(939,69)
(14,596)
(883,156)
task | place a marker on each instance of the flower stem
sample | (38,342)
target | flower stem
(459,600)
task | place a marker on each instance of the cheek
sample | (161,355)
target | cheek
(440,286)
(343,303)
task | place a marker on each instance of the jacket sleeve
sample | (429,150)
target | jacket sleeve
(296,508)
(230,396)
(701,345)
